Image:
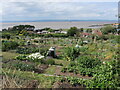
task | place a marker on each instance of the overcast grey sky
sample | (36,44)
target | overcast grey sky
(59,10)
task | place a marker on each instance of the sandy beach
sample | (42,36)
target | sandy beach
(57,25)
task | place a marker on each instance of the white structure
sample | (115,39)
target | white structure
(65,32)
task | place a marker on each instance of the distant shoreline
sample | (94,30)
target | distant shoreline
(58,24)
(61,21)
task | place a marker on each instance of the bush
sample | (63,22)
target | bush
(24,67)
(9,45)
(43,51)
(27,50)
(72,31)
(64,70)
(88,62)
(6,35)
(72,53)
(50,61)
(108,29)
(21,57)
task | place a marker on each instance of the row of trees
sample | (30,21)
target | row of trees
(105,30)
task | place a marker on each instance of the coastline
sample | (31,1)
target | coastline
(57,24)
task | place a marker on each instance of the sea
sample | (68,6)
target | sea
(57,24)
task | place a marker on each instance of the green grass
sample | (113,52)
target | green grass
(50,70)
(44,81)
(65,63)
(8,55)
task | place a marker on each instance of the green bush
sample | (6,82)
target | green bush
(24,67)
(50,61)
(21,57)
(72,31)
(26,50)
(64,70)
(72,53)
(9,45)
(88,62)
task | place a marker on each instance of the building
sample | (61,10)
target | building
(64,32)
(85,34)
(115,25)
(97,32)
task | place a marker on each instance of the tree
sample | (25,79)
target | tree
(108,29)
(72,31)
(89,30)
(81,30)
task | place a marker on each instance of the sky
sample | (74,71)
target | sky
(58,10)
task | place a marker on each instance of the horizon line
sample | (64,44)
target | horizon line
(53,20)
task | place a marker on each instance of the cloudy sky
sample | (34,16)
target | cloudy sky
(59,10)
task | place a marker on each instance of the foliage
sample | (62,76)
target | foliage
(117,39)
(89,30)
(9,45)
(71,53)
(72,31)
(24,67)
(107,76)
(108,29)
(21,57)
(50,61)
(43,51)
(22,27)
(87,62)
(18,65)
(81,30)
(27,50)
(6,35)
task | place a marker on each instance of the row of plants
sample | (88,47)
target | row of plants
(106,77)
(18,65)
(84,65)
(26,50)
(36,57)
(9,45)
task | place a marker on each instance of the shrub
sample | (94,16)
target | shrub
(27,50)
(50,61)
(88,62)
(21,57)
(43,51)
(72,31)
(72,53)
(64,70)
(24,67)
(108,29)
(9,45)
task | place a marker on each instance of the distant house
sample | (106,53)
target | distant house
(44,32)
(97,32)
(84,34)
(57,31)
(64,32)
(115,25)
